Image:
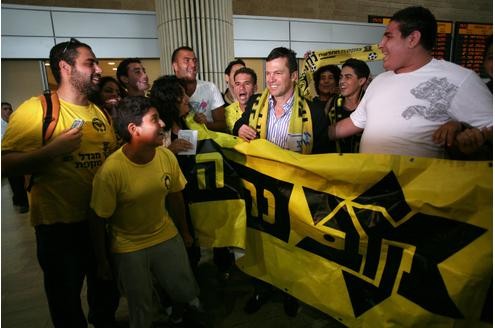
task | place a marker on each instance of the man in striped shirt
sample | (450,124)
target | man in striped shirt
(283,117)
(279,113)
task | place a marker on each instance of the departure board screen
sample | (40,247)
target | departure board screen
(470,44)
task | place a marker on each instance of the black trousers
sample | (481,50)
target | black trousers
(19,197)
(66,257)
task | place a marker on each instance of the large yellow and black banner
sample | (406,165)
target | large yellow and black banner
(372,240)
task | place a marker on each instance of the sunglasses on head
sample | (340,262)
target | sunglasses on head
(72,41)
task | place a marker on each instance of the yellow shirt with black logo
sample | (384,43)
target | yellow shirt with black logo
(132,196)
(62,188)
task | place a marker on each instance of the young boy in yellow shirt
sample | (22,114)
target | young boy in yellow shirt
(132,192)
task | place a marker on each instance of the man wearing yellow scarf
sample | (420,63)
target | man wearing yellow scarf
(280,114)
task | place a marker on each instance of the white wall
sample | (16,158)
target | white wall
(30,31)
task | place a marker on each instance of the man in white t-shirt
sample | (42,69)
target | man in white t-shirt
(204,97)
(407,105)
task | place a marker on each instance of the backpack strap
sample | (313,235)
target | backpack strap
(51,110)
(107,115)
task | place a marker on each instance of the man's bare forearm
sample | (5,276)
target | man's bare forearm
(218,124)
(97,229)
(343,129)
(18,163)
(175,206)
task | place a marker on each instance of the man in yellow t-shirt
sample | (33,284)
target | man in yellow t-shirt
(62,169)
(134,191)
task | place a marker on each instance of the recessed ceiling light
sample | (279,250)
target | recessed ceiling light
(47,64)
(114,69)
(111,63)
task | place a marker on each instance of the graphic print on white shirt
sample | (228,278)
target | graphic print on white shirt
(439,93)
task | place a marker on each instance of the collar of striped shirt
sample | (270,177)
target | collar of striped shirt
(286,107)
(278,128)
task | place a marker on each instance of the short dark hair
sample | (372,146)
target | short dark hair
(247,70)
(123,68)
(333,69)
(66,51)
(420,19)
(358,66)
(131,110)
(167,91)
(176,51)
(237,61)
(4,103)
(96,98)
(282,52)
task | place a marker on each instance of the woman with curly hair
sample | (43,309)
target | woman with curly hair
(173,102)
(327,84)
